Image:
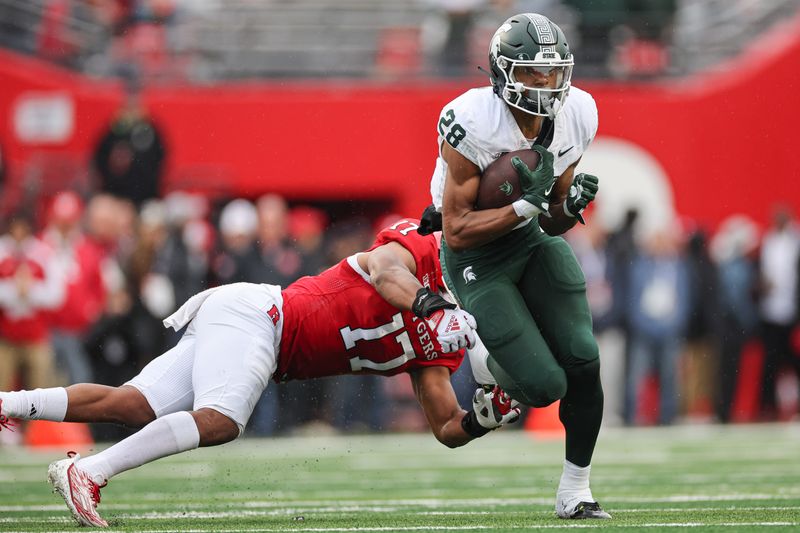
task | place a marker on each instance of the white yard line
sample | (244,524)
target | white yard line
(366,505)
(157,515)
(567,525)
(320,511)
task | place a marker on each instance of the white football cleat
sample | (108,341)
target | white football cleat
(80,493)
(577,508)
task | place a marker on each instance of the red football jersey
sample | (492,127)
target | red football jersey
(337,323)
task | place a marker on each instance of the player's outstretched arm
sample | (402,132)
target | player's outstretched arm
(391,270)
(438,400)
(452,425)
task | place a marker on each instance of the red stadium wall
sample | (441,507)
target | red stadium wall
(725,139)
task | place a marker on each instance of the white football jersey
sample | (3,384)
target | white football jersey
(480,126)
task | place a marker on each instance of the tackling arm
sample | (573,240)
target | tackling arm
(451,425)
(392,270)
(464,227)
(438,400)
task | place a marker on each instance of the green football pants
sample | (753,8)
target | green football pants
(528,296)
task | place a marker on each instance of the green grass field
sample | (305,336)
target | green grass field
(741,478)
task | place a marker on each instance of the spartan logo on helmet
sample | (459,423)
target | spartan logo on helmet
(531,41)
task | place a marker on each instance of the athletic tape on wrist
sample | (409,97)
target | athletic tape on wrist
(525,209)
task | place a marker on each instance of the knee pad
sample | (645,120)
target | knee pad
(584,371)
(547,387)
(583,357)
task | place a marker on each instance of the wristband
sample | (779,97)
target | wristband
(427,301)
(525,209)
(472,427)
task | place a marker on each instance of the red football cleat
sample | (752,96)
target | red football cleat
(5,422)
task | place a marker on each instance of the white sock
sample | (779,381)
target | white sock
(37,404)
(168,435)
(575,482)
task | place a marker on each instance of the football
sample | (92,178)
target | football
(500,184)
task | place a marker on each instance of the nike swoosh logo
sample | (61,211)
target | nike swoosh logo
(562,152)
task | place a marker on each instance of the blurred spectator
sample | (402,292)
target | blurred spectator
(111,341)
(276,260)
(589,244)
(347,237)
(80,260)
(620,251)
(255,248)
(732,249)
(307,229)
(778,305)
(152,291)
(110,226)
(238,225)
(699,356)
(129,157)
(30,285)
(658,313)
(113,347)
(185,256)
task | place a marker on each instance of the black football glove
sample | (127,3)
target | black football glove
(430,221)
(581,193)
(427,301)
